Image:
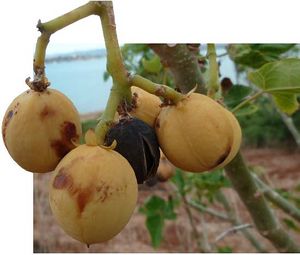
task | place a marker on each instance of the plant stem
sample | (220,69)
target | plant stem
(235,221)
(201,244)
(156,89)
(183,64)
(256,95)
(108,115)
(278,200)
(210,211)
(213,82)
(232,230)
(115,64)
(54,25)
(257,206)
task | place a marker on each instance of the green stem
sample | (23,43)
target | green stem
(213,82)
(207,210)
(54,25)
(156,89)
(107,117)
(239,106)
(115,64)
(263,217)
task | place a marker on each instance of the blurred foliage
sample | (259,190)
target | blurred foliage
(291,225)
(225,249)
(157,210)
(264,127)
(256,55)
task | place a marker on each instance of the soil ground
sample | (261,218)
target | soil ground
(283,171)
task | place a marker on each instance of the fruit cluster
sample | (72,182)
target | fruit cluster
(93,189)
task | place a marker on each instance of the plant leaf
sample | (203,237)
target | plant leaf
(152,65)
(291,224)
(256,55)
(225,249)
(178,180)
(282,80)
(155,225)
(247,110)
(236,95)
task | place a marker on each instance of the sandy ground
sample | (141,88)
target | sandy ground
(283,172)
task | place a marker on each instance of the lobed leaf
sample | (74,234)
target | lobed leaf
(282,80)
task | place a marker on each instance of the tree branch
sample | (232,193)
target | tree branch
(278,200)
(257,206)
(207,210)
(232,231)
(183,65)
(235,221)
(236,170)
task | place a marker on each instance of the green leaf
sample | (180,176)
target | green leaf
(155,225)
(236,94)
(291,224)
(152,65)
(169,210)
(178,180)
(256,55)
(247,110)
(282,80)
(225,249)
(153,206)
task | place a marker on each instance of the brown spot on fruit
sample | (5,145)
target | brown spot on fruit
(7,119)
(61,148)
(157,124)
(223,157)
(9,115)
(69,131)
(64,145)
(104,192)
(83,197)
(46,112)
(160,91)
(62,180)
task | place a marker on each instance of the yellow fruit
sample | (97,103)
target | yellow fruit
(93,193)
(198,134)
(39,128)
(165,170)
(146,106)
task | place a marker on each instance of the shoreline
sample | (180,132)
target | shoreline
(89,116)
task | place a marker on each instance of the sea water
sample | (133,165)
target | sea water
(82,80)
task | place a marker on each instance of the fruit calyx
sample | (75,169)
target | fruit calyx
(91,140)
(39,83)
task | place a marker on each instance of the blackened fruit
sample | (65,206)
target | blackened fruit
(137,142)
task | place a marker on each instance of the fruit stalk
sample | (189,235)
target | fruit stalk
(50,27)
(156,89)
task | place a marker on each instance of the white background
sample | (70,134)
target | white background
(195,21)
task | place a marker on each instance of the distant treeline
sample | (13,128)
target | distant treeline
(78,55)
